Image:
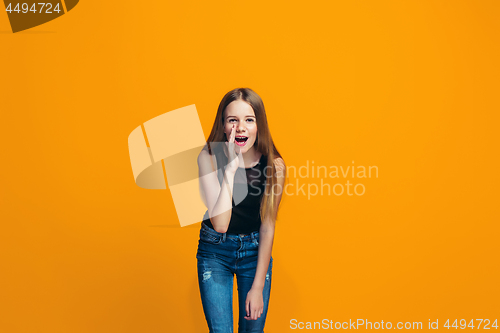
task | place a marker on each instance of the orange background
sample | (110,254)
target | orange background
(408,86)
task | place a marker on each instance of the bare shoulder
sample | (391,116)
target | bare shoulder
(203,156)
(279,164)
(205,160)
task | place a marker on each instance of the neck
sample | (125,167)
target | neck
(251,157)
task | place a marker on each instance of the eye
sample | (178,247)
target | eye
(250,120)
(231,120)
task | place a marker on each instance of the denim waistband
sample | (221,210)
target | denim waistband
(249,237)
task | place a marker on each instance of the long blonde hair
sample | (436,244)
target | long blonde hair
(264,144)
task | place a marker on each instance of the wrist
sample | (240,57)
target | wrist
(257,287)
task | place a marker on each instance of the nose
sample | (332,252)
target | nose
(240,127)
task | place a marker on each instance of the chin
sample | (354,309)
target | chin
(245,149)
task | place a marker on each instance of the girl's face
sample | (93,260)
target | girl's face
(240,114)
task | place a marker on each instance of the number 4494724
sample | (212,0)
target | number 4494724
(481,323)
(24,8)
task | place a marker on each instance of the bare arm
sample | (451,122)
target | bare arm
(254,302)
(218,197)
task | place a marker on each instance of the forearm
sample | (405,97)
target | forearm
(266,239)
(221,213)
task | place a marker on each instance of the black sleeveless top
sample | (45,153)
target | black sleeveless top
(248,189)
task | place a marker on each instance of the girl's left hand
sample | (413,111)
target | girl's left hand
(254,304)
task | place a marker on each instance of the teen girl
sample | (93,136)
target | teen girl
(242,176)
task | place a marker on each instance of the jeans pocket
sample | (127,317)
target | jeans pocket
(209,238)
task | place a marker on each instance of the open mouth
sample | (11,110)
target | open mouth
(240,141)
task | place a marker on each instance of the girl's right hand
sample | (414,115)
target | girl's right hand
(233,158)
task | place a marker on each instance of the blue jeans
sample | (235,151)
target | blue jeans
(220,256)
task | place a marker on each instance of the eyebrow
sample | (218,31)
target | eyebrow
(237,117)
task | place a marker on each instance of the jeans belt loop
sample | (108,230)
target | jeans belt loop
(223,237)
